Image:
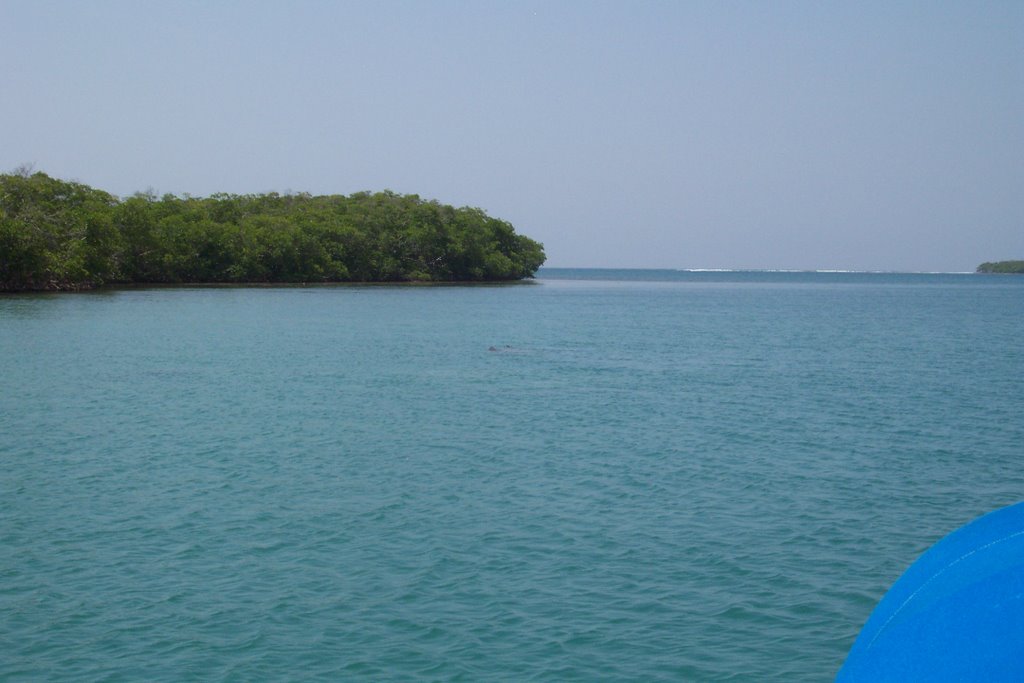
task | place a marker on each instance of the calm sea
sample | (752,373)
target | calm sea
(602,475)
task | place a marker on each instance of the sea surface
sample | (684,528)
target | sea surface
(600,475)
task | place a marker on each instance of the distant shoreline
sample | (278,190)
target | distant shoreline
(540,271)
(1002,268)
(550,273)
(123,286)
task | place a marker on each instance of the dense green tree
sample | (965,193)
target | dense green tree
(61,235)
(54,234)
(1016,267)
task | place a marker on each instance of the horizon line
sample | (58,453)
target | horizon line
(768,270)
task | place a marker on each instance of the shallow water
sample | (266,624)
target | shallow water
(653,476)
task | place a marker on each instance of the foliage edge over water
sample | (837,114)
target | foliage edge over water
(1013,267)
(60,235)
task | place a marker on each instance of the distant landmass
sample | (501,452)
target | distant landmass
(59,235)
(1016,267)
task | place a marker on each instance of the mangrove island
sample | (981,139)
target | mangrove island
(59,235)
(1015,267)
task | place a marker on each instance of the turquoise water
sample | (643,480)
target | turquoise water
(653,476)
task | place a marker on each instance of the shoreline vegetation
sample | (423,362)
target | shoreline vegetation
(1010,267)
(57,235)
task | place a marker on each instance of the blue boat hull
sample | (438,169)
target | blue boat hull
(956,614)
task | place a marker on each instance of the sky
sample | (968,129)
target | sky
(794,135)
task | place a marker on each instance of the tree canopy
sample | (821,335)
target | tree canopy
(1002,267)
(59,235)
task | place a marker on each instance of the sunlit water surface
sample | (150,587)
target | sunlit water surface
(600,476)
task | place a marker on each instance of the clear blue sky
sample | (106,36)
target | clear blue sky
(852,135)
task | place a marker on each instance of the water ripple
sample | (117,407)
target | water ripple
(654,483)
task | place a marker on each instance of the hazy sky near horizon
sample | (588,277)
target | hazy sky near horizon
(866,135)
